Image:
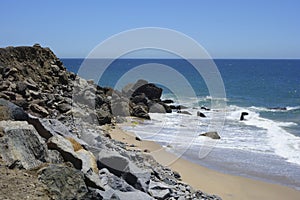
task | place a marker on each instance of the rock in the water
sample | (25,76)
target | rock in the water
(213,135)
(22,143)
(184,112)
(204,108)
(168,101)
(200,114)
(63,182)
(243,116)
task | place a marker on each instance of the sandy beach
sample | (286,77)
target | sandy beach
(228,187)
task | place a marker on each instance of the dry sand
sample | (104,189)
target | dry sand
(210,181)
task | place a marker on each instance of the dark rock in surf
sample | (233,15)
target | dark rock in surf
(168,101)
(200,114)
(212,135)
(204,108)
(243,114)
(184,112)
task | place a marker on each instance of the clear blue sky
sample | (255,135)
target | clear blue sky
(225,28)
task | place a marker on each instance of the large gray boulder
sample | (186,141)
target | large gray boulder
(21,145)
(10,111)
(81,159)
(156,108)
(123,167)
(118,188)
(63,182)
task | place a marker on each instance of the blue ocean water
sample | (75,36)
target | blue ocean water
(265,146)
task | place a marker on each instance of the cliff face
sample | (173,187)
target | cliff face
(60,142)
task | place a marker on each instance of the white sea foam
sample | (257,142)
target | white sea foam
(255,134)
(283,143)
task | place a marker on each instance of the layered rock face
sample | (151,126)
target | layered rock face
(38,113)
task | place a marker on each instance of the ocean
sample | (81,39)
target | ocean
(265,146)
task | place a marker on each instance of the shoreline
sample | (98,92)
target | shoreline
(226,186)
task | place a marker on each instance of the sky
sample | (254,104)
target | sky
(225,28)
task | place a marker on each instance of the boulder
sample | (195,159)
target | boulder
(103,115)
(39,110)
(156,108)
(22,144)
(120,108)
(141,98)
(159,190)
(200,114)
(212,135)
(9,111)
(64,107)
(50,127)
(122,167)
(151,91)
(65,148)
(130,88)
(63,182)
(140,111)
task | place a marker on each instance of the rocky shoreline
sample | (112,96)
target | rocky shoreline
(50,129)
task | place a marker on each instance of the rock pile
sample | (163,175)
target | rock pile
(37,132)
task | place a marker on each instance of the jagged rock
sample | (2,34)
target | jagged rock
(54,157)
(141,98)
(10,111)
(120,108)
(49,127)
(140,111)
(159,190)
(117,187)
(64,107)
(65,148)
(103,116)
(200,114)
(151,91)
(39,110)
(213,135)
(63,182)
(122,167)
(21,142)
(130,88)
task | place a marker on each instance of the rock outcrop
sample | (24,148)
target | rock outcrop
(40,104)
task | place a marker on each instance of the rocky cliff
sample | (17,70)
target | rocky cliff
(50,130)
